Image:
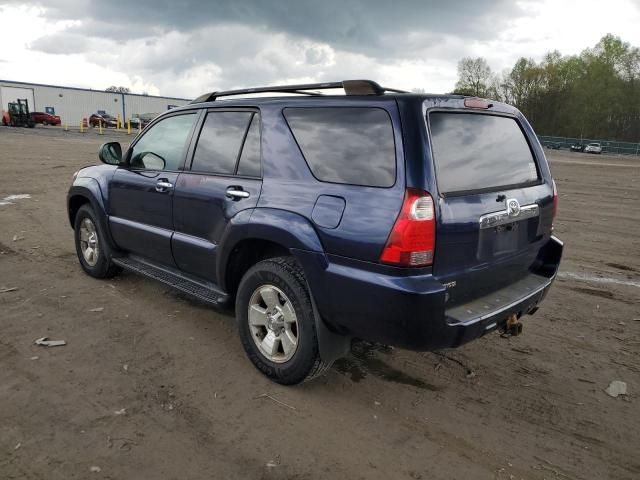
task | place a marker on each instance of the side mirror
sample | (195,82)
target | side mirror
(110,153)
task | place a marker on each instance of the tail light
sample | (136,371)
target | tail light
(412,240)
(555,200)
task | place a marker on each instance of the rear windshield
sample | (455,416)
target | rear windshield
(346,145)
(475,151)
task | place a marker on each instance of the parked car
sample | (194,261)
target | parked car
(553,145)
(106,119)
(593,148)
(577,147)
(142,118)
(412,220)
(45,118)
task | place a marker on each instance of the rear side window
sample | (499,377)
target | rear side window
(220,141)
(346,145)
(249,164)
(479,152)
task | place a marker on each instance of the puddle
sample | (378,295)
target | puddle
(9,199)
(585,277)
(364,361)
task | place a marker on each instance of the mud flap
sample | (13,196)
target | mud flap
(331,345)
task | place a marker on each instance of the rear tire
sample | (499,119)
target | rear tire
(279,335)
(92,247)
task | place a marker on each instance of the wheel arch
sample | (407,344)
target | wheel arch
(86,191)
(264,233)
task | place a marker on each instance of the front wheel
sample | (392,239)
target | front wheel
(277,323)
(94,253)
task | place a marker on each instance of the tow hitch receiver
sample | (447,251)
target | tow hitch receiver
(513,326)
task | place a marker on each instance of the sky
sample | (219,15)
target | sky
(185,48)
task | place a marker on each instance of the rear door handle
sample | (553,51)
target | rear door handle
(163,185)
(237,193)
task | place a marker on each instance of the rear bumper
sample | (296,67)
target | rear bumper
(411,311)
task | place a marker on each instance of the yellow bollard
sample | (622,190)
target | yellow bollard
(128,126)
(81,125)
(139,124)
(66,127)
(100,131)
(118,121)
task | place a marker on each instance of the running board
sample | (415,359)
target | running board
(175,279)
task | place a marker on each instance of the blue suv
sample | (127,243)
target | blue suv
(415,220)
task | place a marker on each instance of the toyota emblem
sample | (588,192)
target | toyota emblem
(513,207)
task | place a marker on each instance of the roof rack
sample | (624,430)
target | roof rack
(351,87)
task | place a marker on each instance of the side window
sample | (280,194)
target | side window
(352,145)
(249,164)
(220,141)
(163,146)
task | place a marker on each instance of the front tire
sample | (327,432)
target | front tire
(276,322)
(92,248)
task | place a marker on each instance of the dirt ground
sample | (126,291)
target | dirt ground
(156,386)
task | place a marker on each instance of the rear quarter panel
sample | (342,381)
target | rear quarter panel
(369,212)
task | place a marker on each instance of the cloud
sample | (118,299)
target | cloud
(354,25)
(61,43)
(183,48)
(227,44)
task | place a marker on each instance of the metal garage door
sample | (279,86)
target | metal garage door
(11,94)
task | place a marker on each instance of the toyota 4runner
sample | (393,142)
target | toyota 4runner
(420,221)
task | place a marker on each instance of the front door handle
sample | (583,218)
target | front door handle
(237,193)
(163,185)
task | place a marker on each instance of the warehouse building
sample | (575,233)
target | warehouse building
(73,104)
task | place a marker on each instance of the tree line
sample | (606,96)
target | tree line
(594,95)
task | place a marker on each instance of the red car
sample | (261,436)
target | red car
(45,118)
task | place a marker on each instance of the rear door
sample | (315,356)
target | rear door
(224,178)
(495,203)
(141,194)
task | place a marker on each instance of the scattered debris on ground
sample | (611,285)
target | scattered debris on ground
(265,395)
(45,342)
(616,388)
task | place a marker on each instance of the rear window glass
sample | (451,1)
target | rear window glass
(477,151)
(346,145)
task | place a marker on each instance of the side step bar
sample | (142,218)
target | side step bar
(205,292)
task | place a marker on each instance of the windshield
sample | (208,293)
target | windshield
(474,151)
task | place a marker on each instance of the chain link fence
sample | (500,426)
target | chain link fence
(613,148)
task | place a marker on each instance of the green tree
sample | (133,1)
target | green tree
(593,95)
(474,77)
(115,89)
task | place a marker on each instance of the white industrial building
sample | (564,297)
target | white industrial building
(73,104)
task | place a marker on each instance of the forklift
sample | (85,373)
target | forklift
(17,115)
